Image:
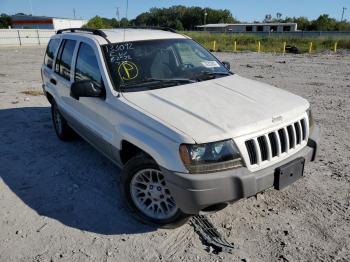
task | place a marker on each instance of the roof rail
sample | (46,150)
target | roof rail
(89,30)
(150,27)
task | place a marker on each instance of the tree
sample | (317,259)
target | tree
(124,22)
(323,23)
(268,18)
(303,22)
(96,22)
(183,18)
(342,26)
(5,21)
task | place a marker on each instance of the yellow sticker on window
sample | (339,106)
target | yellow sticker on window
(128,70)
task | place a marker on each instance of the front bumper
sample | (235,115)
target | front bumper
(193,193)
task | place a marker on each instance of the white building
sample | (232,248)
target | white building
(44,22)
(250,27)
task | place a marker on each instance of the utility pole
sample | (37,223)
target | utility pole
(31,7)
(117,15)
(74,13)
(342,15)
(205,18)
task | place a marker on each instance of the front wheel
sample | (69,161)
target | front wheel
(147,195)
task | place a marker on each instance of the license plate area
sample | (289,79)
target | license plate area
(289,173)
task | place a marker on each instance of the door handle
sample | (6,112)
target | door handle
(53,81)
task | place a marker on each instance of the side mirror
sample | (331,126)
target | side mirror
(226,64)
(85,88)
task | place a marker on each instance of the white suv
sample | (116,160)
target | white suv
(189,134)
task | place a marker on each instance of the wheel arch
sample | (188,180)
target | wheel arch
(162,150)
(129,150)
(49,97)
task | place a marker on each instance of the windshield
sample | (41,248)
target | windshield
(145,65)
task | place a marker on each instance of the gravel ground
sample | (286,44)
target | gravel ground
(60,201)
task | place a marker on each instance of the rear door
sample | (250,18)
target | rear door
(62,77)
(46,70)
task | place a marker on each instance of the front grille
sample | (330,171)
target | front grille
(251,151)
(263,147)
(273,144)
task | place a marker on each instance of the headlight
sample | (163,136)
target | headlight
(211,157)
(311,119)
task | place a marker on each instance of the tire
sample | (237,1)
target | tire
(62,129)
(138,169)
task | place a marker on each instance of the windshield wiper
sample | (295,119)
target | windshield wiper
(209,73)
(162,81)
(169,80)
(205,75)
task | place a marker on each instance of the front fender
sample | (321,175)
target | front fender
(162,149)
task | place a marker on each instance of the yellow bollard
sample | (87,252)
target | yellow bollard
(335,47)
(284,47)
(214,45)
(235,47)
(310,48)
(259,47)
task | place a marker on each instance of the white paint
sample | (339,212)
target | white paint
(158,121)
(210,64)
(59,23)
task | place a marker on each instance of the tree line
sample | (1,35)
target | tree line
(177,17)
(186,18)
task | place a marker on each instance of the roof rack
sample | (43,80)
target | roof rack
(151,27)
(103,34)
(90,30)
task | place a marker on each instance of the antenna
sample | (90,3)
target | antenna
(74,13)
(126,14)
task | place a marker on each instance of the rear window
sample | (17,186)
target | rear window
(50,52)
(65,58)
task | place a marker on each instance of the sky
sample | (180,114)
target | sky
(247,10)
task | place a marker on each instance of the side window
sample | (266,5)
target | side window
(50,52)
(65,58)
(86,67)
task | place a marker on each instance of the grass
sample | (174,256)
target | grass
(248,42)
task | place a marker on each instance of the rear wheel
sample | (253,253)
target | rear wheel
(147,195)
(62,129)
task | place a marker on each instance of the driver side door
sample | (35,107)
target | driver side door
(92,113)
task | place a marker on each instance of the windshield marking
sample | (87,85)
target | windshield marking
(128,70)
(119,52)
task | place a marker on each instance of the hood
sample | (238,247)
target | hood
(222,108)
